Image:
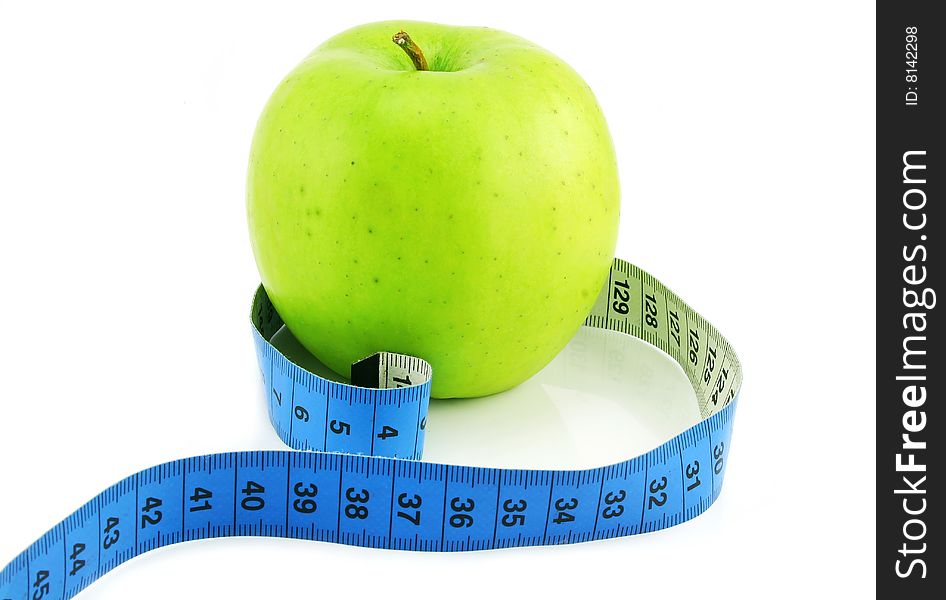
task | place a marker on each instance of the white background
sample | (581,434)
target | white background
(745,136)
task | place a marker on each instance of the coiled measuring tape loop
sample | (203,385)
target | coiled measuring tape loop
(362,486)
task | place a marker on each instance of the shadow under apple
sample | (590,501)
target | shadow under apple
(605,398)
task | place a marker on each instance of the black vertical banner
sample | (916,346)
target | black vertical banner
(911,370)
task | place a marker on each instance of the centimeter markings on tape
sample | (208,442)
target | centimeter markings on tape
(363,485)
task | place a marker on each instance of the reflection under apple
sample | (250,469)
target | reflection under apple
(605,398)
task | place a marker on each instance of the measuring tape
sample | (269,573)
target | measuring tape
(361,482)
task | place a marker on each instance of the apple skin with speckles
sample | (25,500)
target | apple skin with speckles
(466,214)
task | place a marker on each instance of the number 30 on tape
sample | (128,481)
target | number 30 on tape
(356,478)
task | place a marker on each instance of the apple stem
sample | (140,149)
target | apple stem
(412,49)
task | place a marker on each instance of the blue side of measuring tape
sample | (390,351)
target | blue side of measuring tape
(361,484)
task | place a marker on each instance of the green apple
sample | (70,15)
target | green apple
(450,194)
